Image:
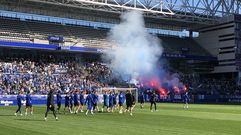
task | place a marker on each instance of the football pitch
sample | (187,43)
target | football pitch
(171,119)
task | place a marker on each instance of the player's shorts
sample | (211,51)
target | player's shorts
(59,103)
(152,101)
(94,104)
(66,104)
(128,105)
(29,105)
(51,108)
(141,101)
(82,103)
(76,103)
(89,107)
(186,101)
(106,104)
(120,104)
(111,105)
(114,102)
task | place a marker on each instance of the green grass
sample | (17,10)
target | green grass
(171,119)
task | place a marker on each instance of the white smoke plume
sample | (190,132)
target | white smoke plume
(136,52)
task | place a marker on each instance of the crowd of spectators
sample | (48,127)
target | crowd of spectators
(65,75)
(39,76)
(212,85)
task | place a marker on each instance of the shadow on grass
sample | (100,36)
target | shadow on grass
(5,115)
(25,119)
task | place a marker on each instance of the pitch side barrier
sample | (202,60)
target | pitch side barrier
(9,100)
(217,99)
(199,98)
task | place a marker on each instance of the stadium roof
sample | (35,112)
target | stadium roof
(174,14)
(199,11)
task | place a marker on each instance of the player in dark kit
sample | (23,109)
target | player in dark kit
(186,100)
(67,102)
(121,102)
(111,101)
(106,102)
(142,99)
(50,105)
(59,98)
(71,98)
(29,106)
(89,101)
(133,102)
(82,100)
(19,103)
(153,100)
(115,102)
(129,102)
(95,101)
(76,102)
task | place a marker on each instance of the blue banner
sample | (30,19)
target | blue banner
(56,38)
(9,100)
(65,47)
(28,45)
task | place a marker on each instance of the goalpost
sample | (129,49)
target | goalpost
(133,90)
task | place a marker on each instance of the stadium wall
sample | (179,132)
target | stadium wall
(8,100)
(220,41)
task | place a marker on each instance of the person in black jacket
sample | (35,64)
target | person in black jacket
(67,102)
(19,102)
(129,102)
(133,103)
(142,100)
(59,98)
(50,105)
(153,100)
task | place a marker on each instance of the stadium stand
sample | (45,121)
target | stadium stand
(15,30)
(65,74)
(28,31)
(180,45)
(46,29)
(204,85)
(25,74)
